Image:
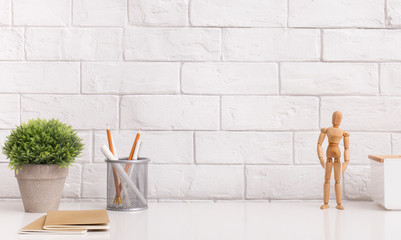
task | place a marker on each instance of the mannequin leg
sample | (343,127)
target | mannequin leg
(337,177)
(326,187)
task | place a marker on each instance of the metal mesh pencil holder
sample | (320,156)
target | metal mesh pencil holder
(127,184)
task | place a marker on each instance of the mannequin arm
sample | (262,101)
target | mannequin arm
(319,145)
(346,151)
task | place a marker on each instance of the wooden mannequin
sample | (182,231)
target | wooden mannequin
(334,135)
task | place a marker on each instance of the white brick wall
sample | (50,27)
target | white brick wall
(229,95)
(229,78)
(5,13)
(339,13)
(12,44)
(236,13)
(42,12)
(99,12)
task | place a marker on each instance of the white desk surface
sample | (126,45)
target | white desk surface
(224,220)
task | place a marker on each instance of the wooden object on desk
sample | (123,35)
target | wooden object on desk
(117,199)
(333,155)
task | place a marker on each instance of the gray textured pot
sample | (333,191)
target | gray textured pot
(41,186)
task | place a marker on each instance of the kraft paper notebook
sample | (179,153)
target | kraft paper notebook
(77,219)
(36,227)
(68,222)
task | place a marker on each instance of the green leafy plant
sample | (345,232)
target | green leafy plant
(42,142)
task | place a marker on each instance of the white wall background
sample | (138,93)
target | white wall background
(230,94)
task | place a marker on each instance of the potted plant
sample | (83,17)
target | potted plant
(40,152)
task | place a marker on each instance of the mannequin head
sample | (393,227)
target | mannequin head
(337,117)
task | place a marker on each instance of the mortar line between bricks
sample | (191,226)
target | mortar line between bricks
(245,185)
(221,113)
(321,45)
(20,108)
(12,12)
(24,45)
(123,44)
(82,179)
(119,113)
(135,26)
(72,12)
(92,158)
(244,131)
(194,147)
(279,78)
(227,131)
(221,45)
(189,13)
(288,13)
(356,61)
(136,94)
(293,147)
(127,20)
(180,80)
(319,112)
(379,78)
(387,22)
(391,144)
(80,78)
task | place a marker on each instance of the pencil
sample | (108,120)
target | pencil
(117,199)
(138,135)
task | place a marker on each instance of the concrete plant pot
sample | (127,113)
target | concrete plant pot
(41,186)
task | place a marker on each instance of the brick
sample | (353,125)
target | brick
(356,181)
(361,45)
(395,144)
(9,188)
(173,44)
(5,12)
(159,147)
(263,44)
(390,77)
(243,147)
(363,113)
(131,77)
(99,12)
(12,47)
(284,182)
(393,13)
(81,112)
(9,108)
(74,44)
(329,78)
(94,183)
(72,186)
(238,13)
(269,113)
(86,155)
(305,144)
(199,182)
(229,78)
(341,13)
(42,12)
(170,112)
(43,77)
(158,12)
(364,144)
(361,145)
(3,137)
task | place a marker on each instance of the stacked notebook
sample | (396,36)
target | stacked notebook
(68,222)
